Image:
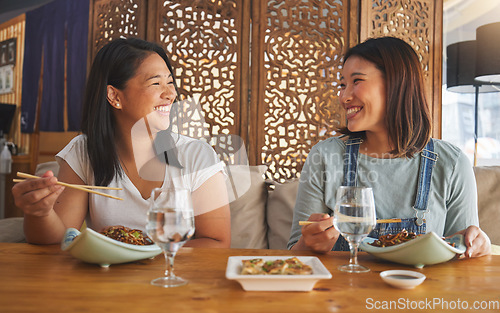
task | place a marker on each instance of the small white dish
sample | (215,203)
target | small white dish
(424,250)
(402,279)
(277,282)
(92,247)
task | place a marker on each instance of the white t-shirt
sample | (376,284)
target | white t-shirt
(197,157)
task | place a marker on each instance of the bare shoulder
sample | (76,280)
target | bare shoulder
(67,174)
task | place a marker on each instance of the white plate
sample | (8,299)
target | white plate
(402,279)
(277,282)
(424,250)
(93,247)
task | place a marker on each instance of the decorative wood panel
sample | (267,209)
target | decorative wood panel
(204,40)
(299,48)
(418,22)
(113,19)
(14,28)
(292,79)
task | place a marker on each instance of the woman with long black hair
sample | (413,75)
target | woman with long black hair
(128,143)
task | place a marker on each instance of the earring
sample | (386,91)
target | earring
(117,104)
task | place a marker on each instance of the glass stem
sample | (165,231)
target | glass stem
(354,254)
(169,258)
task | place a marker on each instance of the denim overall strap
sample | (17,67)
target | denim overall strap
(427,160)
(350,170)
(417,224)
(351,161)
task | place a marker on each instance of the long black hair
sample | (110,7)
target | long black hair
(114,65)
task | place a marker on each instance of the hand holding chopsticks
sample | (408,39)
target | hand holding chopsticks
(85,188)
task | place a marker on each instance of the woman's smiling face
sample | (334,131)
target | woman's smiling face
(149,93)
(363,95)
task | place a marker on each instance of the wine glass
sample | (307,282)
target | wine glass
(354,217)
(170,225)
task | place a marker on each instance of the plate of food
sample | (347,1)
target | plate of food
(116,244)
(410,249)
(272,273)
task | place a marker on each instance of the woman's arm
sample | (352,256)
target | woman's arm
(462,215)
(212,217)
(50,209)
(310,205)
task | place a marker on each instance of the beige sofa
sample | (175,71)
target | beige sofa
(261,217)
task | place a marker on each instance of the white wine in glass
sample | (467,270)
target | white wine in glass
(170,225)
(354,217)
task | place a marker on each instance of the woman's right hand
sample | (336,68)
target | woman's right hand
(37,197)
(320,236)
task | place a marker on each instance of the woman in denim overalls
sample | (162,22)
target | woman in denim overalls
(387,118)
(417,224)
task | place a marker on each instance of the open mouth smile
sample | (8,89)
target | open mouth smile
(352,111)
(163,109)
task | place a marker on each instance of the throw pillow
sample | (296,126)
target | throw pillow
(12,230)
(248,211)
(488,193)
(280,204)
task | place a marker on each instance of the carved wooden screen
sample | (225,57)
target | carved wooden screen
(298,49)
(295,49)
(418,22)
(204,40)
(208,42)
(114,19)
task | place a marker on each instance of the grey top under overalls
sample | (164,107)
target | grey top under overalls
(445,190)
(416,224)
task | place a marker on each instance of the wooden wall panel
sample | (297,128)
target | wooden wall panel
(205,42)
(418,22)
(14,28)
(297,49)
(113,19)
(277,86)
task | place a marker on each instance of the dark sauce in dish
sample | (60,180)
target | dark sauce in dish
(400,276)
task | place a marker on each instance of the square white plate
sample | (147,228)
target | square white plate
(277,282)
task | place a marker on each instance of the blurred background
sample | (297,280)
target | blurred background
(461,18)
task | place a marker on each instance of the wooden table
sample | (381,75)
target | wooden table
(45,279)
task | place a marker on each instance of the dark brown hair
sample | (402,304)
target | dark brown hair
(407,112)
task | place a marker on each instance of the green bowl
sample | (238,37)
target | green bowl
(93,247)
(424,250)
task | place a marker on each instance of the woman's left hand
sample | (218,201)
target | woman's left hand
(477,242)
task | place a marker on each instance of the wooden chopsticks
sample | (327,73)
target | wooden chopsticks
(381,221)
(389,220)
(85,188)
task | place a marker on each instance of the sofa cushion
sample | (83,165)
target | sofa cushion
(248,211)
(11,230)
(280,204)
(488,192)
(41,168)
